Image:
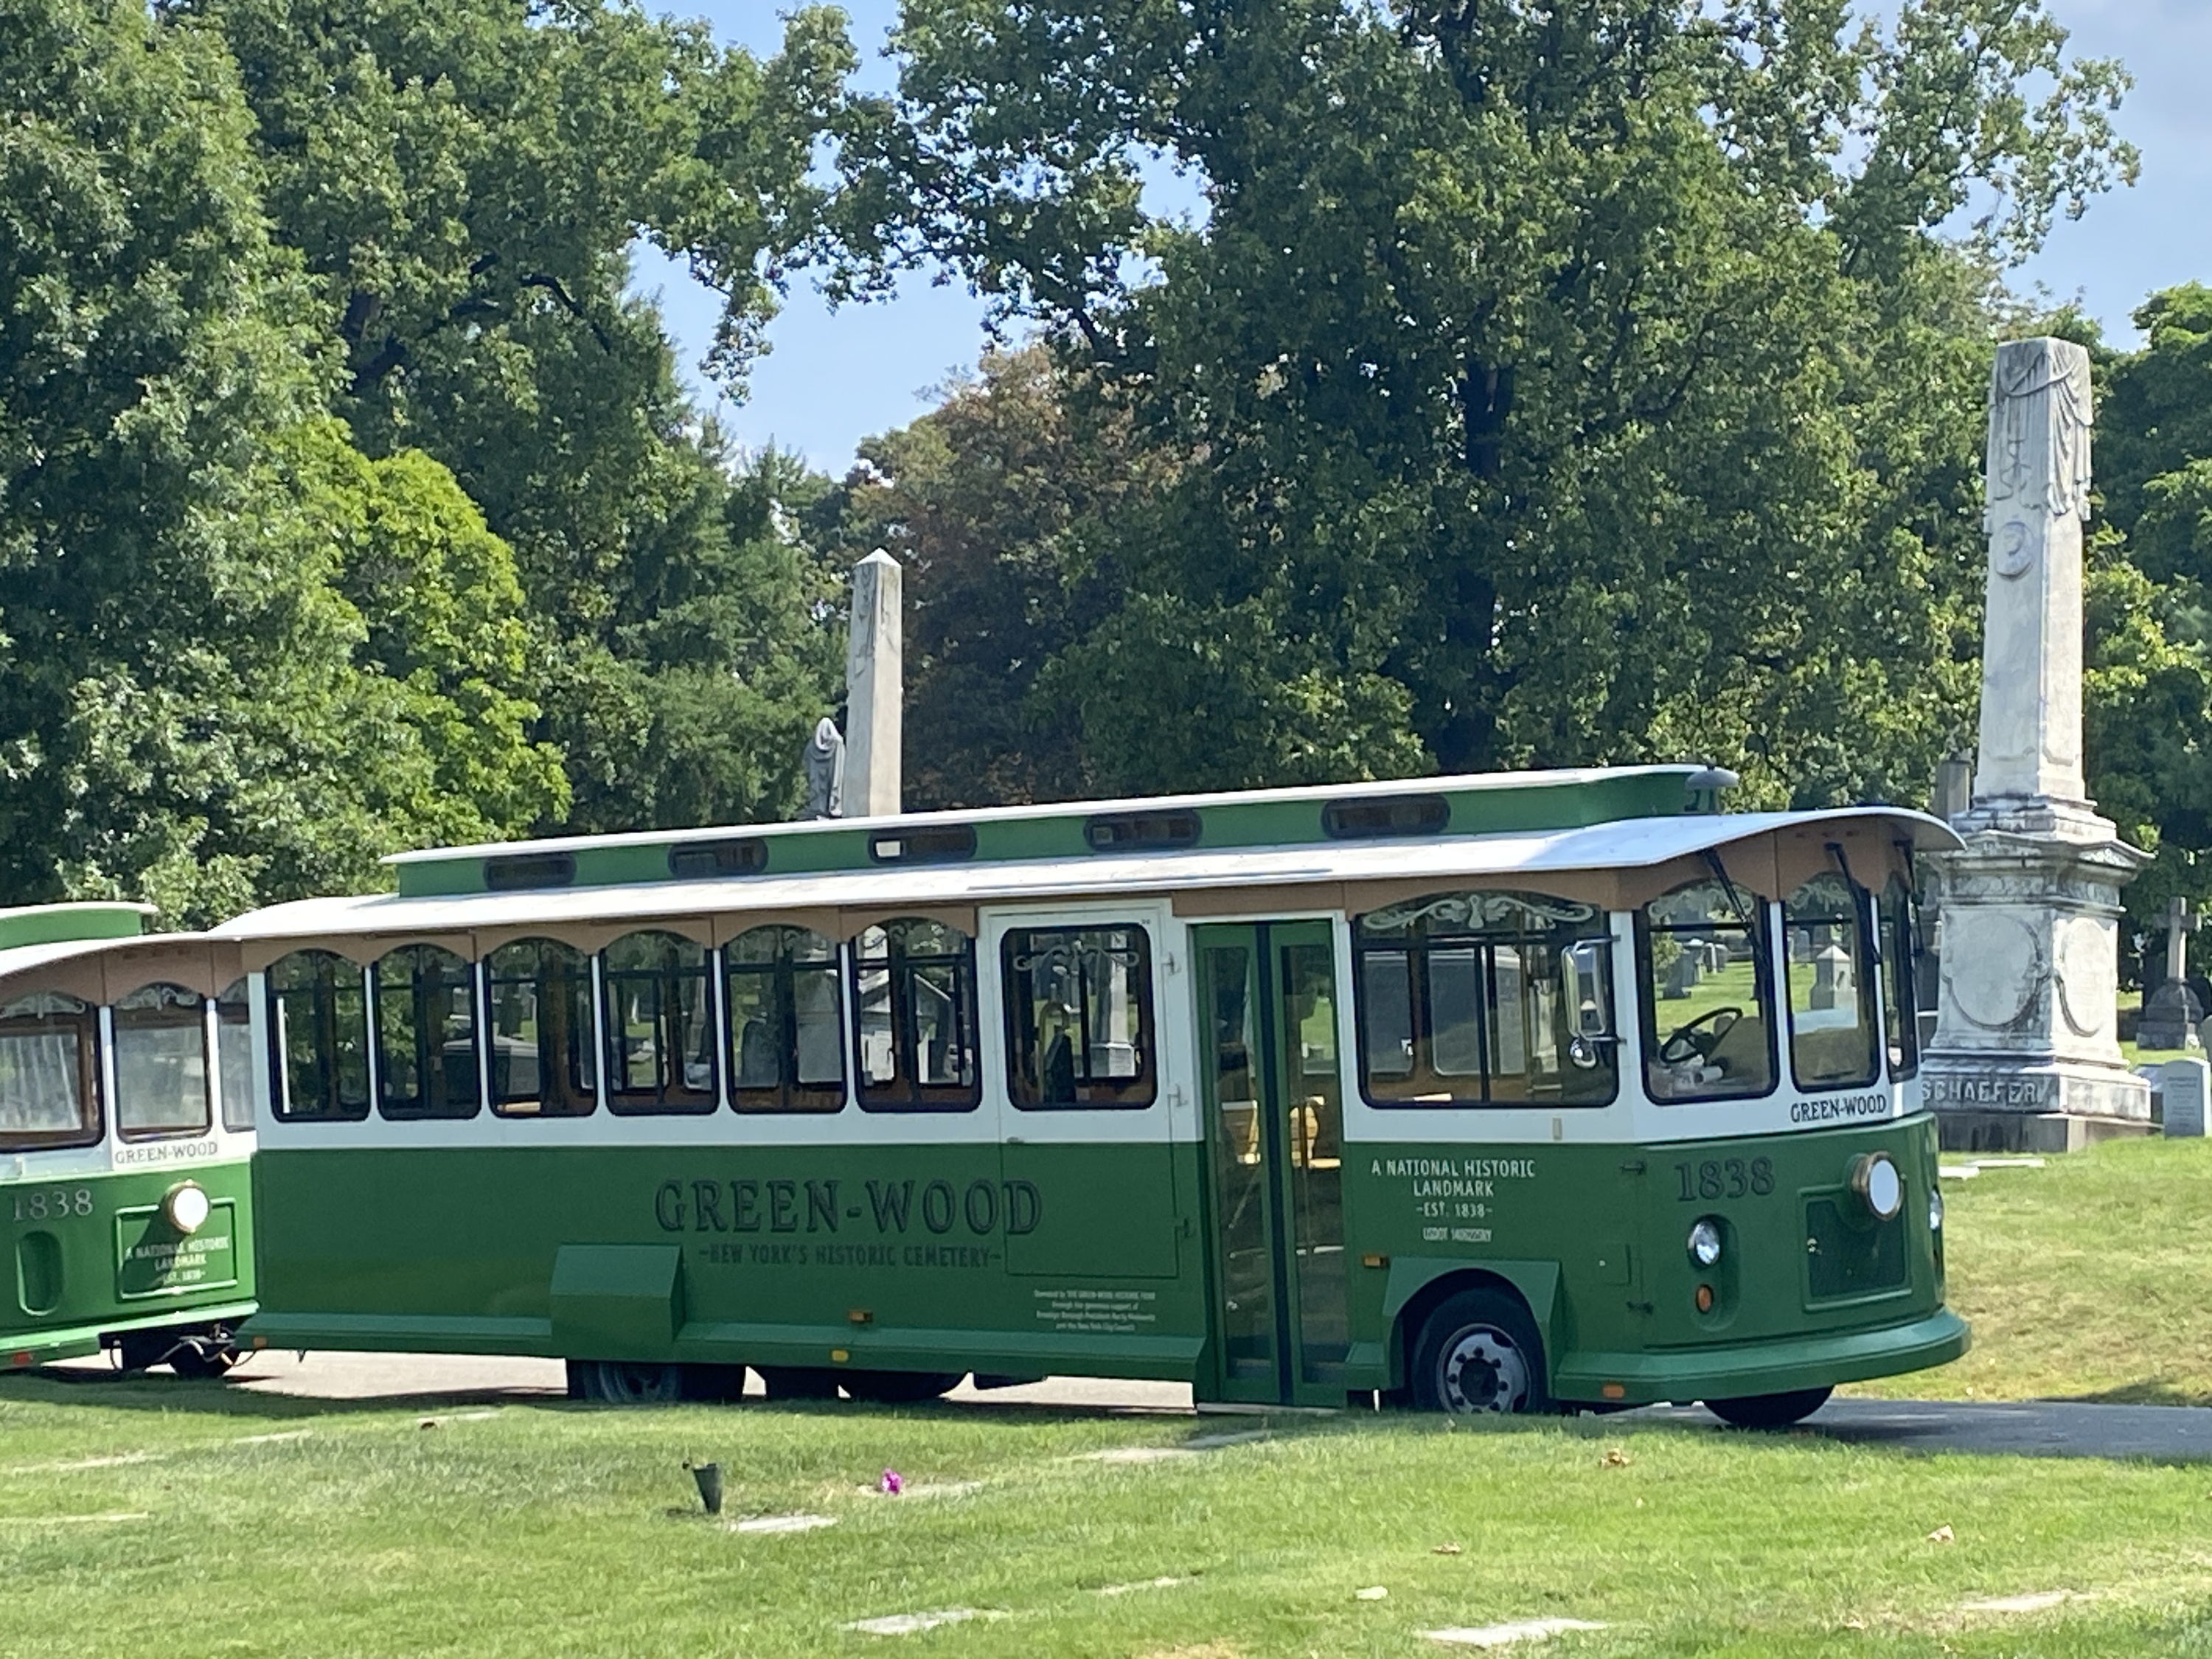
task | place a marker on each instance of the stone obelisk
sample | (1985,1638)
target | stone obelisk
(2027,1054)
(875,677)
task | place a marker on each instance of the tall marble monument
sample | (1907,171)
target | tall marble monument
(875,688)
(2026,1051)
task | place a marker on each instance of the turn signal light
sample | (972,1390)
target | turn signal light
(1614,1391)
(1704,1299)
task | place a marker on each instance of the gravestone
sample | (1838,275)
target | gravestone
(874,688)
(2185,1082)
(2026,1054)
(2171,1013)
(1831,977)
(1683,975)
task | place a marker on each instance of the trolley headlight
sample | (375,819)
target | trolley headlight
(1706,1242)
(1934,1209)
(186,1205)
(1875,1179)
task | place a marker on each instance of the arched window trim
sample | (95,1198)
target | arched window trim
(573,1065)
(197,1020)
(428,1103)
(1758,913)
(1478,922)
(900,968)
(323,996)
(672,1093)
(91,1081)
(788,1094)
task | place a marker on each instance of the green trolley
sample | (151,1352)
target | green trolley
(126,1129)
(1499,1092)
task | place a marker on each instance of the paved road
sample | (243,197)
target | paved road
(2034,1428)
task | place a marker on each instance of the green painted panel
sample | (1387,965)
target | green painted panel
(58,924)
(617,1301)
(1259,819)
(90,1253)
(152,1258)
(787,1253)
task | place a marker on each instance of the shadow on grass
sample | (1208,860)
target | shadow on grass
(2149,1391)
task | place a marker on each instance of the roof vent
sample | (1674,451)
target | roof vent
(1141,832)
(938,843)
(520,870)
(1373,817)
(704,860)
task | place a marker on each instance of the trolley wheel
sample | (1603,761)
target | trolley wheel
(798,1381)
(1480,1352)
(1769,1411)
(203,1355)
(625,1383)
(142,1351)
(717,1385)
(900,1387)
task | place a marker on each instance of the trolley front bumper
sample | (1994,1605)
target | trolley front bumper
(1774,1367)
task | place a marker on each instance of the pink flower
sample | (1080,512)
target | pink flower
(893,1486)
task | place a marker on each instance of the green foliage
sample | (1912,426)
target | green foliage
(1544,386)
(2147,692)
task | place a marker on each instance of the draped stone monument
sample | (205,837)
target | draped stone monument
(2027,1052)
(875,688)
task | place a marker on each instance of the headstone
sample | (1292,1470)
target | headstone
(1831,977)
(825,760)
(1954,786)
(2188,1083)
(2026,1056)
(874,688)
(1682,976)
(2171,1013)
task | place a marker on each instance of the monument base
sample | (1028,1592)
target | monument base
(1984,1104)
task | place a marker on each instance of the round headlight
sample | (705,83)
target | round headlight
(186,1207)
(1875,1178)
(1705,1243)
(1934,1209)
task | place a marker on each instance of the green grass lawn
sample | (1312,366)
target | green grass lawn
(558,1530)
(157,1517)
(2088,1279)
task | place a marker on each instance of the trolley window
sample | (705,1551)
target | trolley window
(1831,1031)
(161,1064)
(426,1035)
(49,1073)
(659,1025)
(913,998)
(318,1038)
(787,1026)
(1708,1011)
(1901,987)
(233,1052)
(1486,999)
(1078,1016)
(544,1052)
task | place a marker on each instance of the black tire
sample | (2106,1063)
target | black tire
(1769,1411)
(716,1385)
(1479,1347)
(625,1383)
(798,1381)
(143,1350)
(899,1387)
(202,1357)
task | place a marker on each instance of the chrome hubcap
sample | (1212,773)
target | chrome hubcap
(1482,1370)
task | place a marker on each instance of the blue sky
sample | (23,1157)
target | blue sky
(833,378)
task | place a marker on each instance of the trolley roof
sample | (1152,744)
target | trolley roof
(1489,804)
(1616,865)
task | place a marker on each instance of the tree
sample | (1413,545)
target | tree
(193,710)
(465,181)
(1563,384)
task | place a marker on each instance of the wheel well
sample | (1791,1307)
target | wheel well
(1432,1296)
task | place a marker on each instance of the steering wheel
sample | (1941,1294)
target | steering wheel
(1690,1041)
